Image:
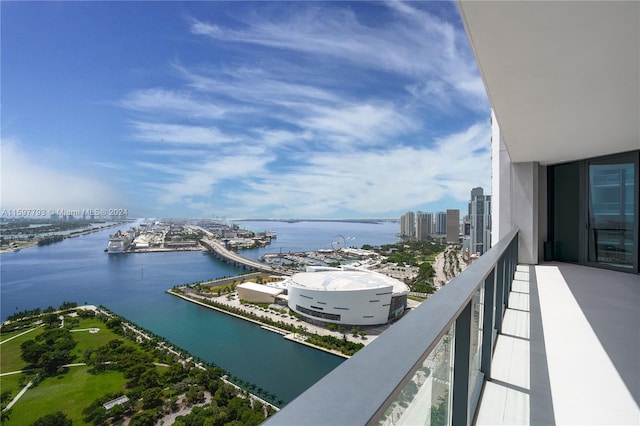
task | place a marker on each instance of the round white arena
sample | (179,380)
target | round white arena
(347,296)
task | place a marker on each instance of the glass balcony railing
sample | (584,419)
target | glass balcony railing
(426,369)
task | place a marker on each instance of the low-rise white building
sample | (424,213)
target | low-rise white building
(347,296)
(258,293)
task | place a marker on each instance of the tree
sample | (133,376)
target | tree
(52,361)
(54,419)
(51,320)
(195,395)
(149,379)
(144,418)
(50,350)
(31,352)
(117,413)
(151,398)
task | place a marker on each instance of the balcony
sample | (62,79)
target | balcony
(569,351)
(499,344)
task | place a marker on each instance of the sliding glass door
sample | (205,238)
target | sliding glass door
(612,230)
(594,211)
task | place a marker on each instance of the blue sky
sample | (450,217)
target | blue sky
(240,109)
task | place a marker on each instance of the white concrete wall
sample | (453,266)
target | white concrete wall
(518,200)
(524,209)
(358,302)
(500,185)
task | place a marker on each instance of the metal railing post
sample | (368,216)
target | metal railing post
(499,306)
(487,323)
(461,362)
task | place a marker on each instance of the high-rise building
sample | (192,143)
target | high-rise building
(480,221)
(408,225)
(440,223)
(403,224)
(453,226)
(424,226)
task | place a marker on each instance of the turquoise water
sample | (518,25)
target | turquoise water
(134,285)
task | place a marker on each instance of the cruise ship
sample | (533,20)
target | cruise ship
(120,242)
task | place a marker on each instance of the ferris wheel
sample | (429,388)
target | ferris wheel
(338,242)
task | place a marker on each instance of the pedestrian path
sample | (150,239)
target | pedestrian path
(21,334)
(18,396)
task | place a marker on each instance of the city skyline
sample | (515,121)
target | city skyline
(241,110)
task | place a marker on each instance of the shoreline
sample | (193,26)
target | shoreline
(163,250)
(366,221)
(285,334)
(72,234)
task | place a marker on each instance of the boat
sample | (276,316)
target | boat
(120,242)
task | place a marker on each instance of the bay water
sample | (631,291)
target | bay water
(133,286)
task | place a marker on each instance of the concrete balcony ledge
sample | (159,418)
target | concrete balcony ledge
(569,351)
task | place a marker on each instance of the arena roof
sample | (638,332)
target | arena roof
(340,280)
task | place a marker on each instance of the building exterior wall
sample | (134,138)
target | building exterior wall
(453,226)
(480,221)
(501,222)
(441,223)
(516,200)
(349,307)
(424,225)
(255,296)
(408,225)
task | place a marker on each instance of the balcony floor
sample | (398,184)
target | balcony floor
(569,351)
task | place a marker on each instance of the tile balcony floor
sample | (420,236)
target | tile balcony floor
(569,351)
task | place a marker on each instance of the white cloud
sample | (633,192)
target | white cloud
(413,43)
(366,124)
(165,133)
(161,101)
(376,183)
(346,126)
(27,184)
(200,179)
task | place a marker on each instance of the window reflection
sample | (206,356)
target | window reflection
(611,213)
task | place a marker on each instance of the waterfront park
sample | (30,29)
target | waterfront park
(86,365)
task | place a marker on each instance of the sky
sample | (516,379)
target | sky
(240,109)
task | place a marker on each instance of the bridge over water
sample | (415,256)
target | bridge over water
(232,258)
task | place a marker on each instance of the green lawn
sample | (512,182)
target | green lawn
(6,336)
(10,351)
(11,384)
(92,340)
(69,393)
